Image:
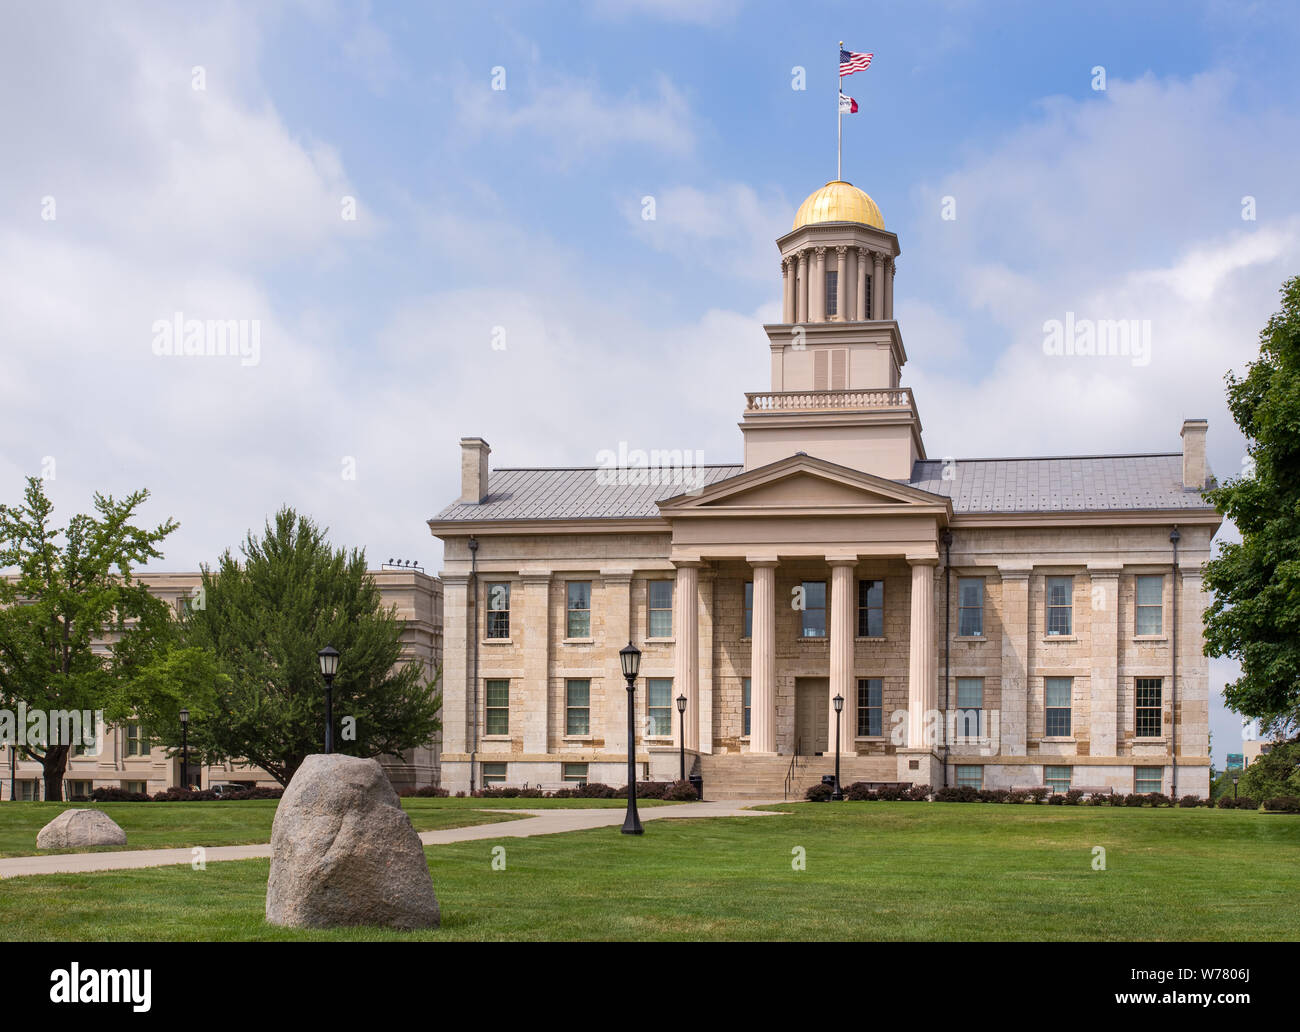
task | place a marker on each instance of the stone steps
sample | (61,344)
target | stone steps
(740,776)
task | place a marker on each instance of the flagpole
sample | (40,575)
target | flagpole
(839,118)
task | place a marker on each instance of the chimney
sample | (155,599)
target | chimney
(474,452)
(1195,470)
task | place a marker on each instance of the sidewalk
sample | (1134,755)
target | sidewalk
(537,822)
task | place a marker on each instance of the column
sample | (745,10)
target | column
(801,315)
(618,632)
(1103,675)
(860,311)
(889,288)
(458,648)
(818,287)
(534,688)
(1015,660)
(686,654)
(841,281)
(842,621)
(921,690)
(762,664)
(707,583)
(877,285)
(787,292)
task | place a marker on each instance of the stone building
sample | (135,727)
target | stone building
(995,622)
(126,759)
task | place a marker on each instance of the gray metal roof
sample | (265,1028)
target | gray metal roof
(1091,483)
(576,494)
(1086,483)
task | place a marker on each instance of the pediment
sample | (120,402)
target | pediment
(802,483)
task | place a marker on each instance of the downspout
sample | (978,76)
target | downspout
(947,642)
(473,594)
(1174,537)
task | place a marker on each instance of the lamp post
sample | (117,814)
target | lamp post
(185,749)
(1234,790)
(630,658)
(329,666)
(681,711)
(839,709)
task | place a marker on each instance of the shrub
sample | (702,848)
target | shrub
(680,792)
(1226,802)
(1017,797)
(1189,801)
(595,790)
(891,793)
(431,791)
(1134,799)
(918,793)
(181,795)
(1073,797)
(957,794)
(818,793)
(118,795)
(1159,799)
(1039,794)
(1247,803)
(1283,804)
(1056,799)
(859,792)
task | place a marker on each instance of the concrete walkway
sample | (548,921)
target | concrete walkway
(536,822)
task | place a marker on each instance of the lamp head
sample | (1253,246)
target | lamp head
(839,702)
(681,704)
(329,662)
(630,658)
(185,716)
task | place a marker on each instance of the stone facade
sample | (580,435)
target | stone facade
(835,492)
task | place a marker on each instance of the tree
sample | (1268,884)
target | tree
(261,620)
(1255,614)
(72,589)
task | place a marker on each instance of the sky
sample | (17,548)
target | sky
(430,220)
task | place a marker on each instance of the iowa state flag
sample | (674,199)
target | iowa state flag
(848,106)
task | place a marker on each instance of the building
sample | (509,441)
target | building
(126,758)
(995,622)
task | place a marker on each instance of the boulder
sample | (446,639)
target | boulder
(343,851)
(77,829)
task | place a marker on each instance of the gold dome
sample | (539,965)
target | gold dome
(838,201)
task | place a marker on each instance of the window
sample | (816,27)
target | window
(970,776)
(579,593)
(78,789)
(747,701)
(661,609)
(1148,779)
(1057,778)
(832,292)
(498,707)
(1060,608)
(970,706)
(137,786)
(1057,692)
(577,706)
(135,741)
(830,369)
(1148,717)
(970,607)
(867,314)
(494,774)
(870,712)
(1150,605)
(871,609)
(26,791)
(498,610)
(814,609)
(659,697)
(748,630)
(575,773)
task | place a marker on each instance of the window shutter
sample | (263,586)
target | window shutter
(819,370)
(839,369)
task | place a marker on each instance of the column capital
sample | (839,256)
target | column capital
(841,249)
(694,564)
(1098,570)
(923,559)
(1015,572)
(758,561)
(455,580)
(820,251)
(545,576)
(841,560)
(608,576)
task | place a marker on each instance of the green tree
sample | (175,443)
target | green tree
(71,589)
(1255,614)
(261,618)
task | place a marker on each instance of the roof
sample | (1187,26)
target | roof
(1089,483)
(1085,483)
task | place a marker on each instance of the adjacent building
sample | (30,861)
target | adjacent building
(994,622)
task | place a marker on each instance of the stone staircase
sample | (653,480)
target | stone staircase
(741,776)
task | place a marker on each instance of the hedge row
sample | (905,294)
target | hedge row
(174,795)
(673,791)
(861,792)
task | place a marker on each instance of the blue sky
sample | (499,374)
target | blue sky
(520,210)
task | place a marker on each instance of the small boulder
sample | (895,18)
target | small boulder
(343,851)
(77,829)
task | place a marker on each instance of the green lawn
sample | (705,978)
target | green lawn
(874,871)
(159,825)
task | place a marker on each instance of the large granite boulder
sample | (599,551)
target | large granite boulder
(343,851)
(77,829)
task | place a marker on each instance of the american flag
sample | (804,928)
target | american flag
(851,62)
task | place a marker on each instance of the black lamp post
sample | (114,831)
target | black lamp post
(329,666)
(630,657)
(185,749)
(839,709)
(681,709)
(1234,790)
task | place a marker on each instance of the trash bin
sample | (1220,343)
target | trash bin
(697,783)
(828,779)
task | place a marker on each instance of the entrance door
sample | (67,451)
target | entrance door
(812,701)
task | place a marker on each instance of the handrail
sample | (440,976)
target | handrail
(789,774)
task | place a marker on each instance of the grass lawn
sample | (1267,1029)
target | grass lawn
(874,871)
(159,825)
